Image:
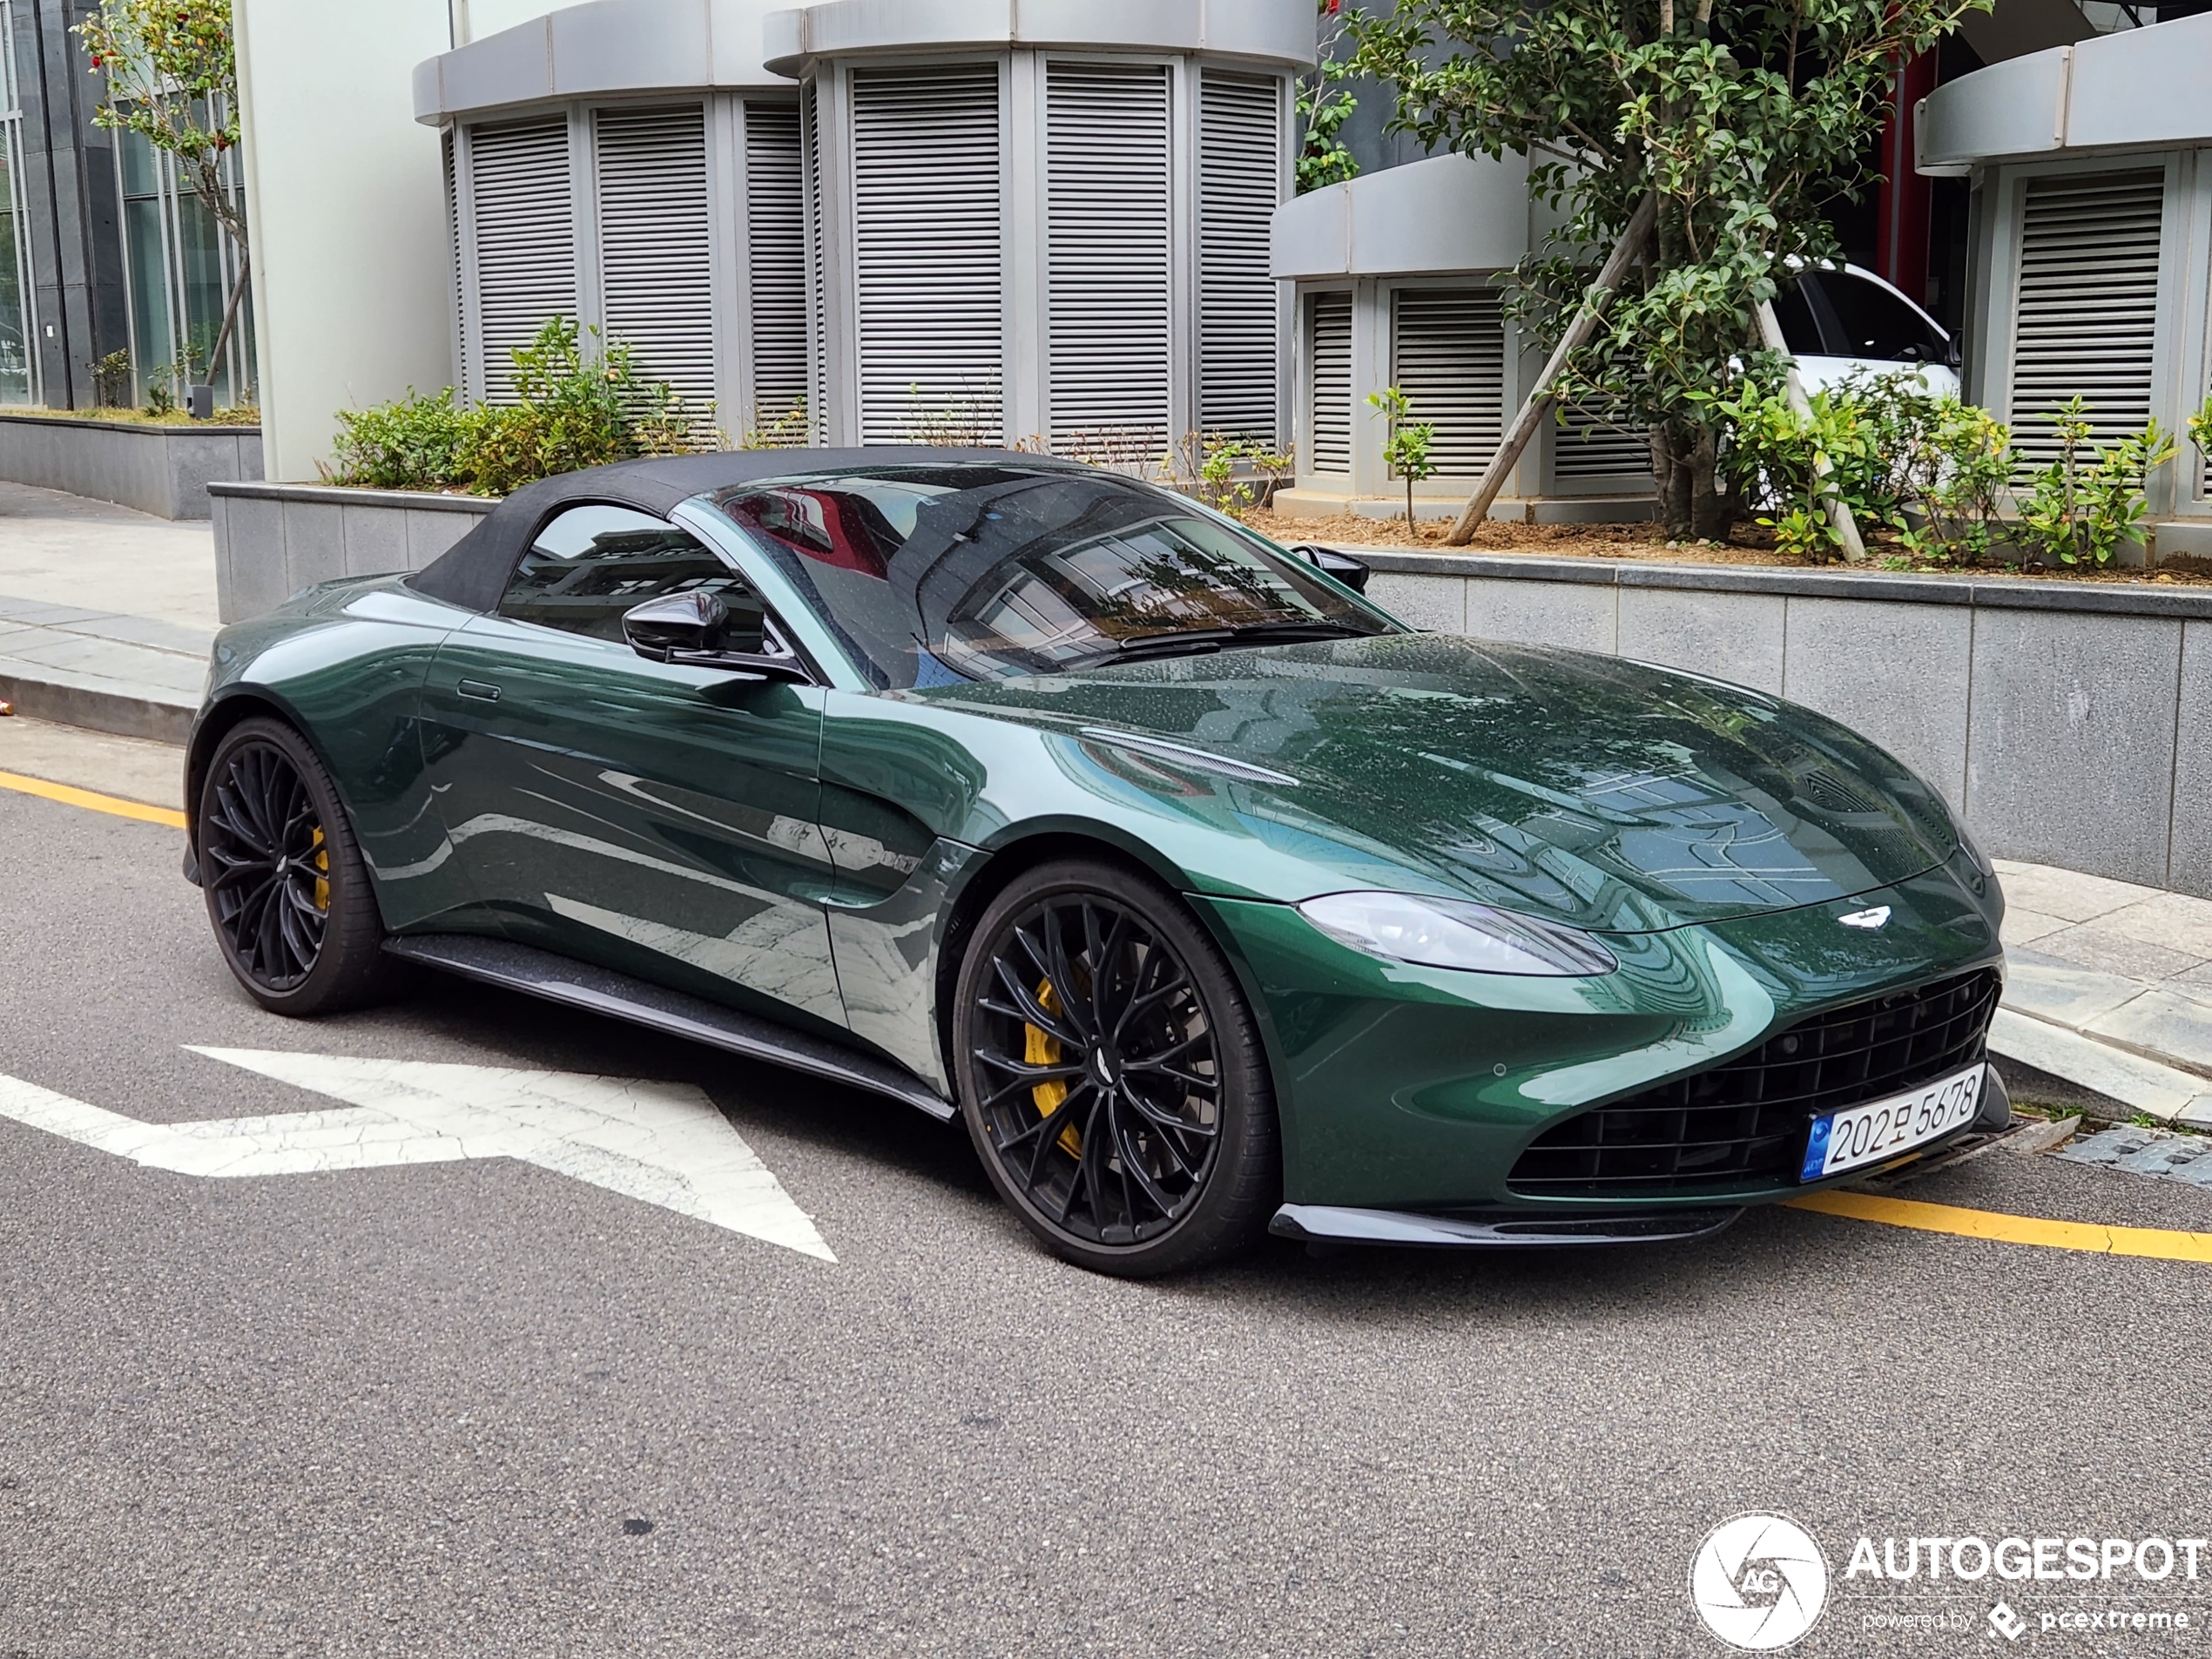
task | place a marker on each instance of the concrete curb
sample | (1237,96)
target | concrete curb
(98,708)
(2134,1079)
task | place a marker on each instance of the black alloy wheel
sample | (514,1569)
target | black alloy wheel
(1113,1080)
(284,884)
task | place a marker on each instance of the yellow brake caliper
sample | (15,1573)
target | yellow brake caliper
(322,873)
(1042,1048)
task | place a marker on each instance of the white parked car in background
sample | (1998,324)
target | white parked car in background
(1841,320)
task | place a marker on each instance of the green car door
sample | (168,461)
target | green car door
(650,817)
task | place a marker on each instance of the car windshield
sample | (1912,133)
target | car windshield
(933,574)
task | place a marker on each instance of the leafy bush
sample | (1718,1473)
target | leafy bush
(571,411)
(416,443)
(2079,512)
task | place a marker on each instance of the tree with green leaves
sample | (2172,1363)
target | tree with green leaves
(1747,118)
(1323,107)
(171,68)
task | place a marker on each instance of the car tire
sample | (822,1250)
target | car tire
(287,889)
(1167,1153)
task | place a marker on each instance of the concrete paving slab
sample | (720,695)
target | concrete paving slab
(2175,920)
(2025,927)
(2087,946)
(2144,1084)
(2062,992)
(2065,894)
(2163,1023)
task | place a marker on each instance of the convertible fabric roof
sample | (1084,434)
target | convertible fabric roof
(473,572)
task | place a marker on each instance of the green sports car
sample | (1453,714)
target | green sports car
(1211,898)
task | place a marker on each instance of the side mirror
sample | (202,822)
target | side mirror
(697,630)
(1342,566)
(693,621)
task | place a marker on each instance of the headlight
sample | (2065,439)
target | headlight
(1447,933)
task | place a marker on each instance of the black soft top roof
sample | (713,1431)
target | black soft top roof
(473,572)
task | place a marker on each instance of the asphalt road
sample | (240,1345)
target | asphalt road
(426,1410)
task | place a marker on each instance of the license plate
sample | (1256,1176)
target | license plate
(1882,1129)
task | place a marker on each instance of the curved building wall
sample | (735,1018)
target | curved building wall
(1059,247)
(1397,281)
(2092,233)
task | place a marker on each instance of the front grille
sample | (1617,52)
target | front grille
(1744,1123)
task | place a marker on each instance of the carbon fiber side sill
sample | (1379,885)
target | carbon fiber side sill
(619,996)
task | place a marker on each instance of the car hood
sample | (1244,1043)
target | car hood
(1608,794)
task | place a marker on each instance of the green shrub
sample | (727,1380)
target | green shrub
(571,411)
(2078,511)
(416,443)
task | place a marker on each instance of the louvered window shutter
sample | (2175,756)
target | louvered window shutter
(459,276)
(1240,164)
(1447,355)
(927,279)
(810,124)
(1328,356)
(776,260)
(1106,253)
(656,247)
(2087,312)
(1584,447)
(525,242)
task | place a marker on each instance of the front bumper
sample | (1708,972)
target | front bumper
(1414,1091)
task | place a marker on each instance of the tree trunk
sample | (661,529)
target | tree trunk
(1692,505)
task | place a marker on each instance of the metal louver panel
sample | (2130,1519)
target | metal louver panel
(1240,185)
(927,279)
(1328,356)
(460,271)
(524,234)
(1585,446)
(776,260)
(1106,250)
(2086,319)
(1447,355)
(810,124)
(656,246)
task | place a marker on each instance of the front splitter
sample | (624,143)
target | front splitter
(1337,1224)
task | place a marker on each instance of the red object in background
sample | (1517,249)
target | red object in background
(1901,205)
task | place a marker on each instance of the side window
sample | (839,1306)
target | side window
(1798,331)
(1876,323)
(590,564)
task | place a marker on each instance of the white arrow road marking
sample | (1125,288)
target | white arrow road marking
(666,1144)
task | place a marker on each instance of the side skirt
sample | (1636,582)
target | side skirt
(1321,1222)
(620,996)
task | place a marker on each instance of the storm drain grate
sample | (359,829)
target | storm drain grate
(2145,1151)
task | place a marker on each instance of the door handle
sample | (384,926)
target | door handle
(482,691)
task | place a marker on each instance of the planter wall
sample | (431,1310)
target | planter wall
(272,540)
(2071,723)
(164,470)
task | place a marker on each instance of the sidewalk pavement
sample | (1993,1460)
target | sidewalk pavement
(2110,986)
(106,615)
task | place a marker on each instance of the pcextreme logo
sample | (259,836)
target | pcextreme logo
(1758,1581)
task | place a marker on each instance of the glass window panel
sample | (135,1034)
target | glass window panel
(15,341)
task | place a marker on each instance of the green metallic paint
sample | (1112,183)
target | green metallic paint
(1712,834)
(635,813)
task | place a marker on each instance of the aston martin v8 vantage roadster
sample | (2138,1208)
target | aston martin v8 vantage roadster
(1210,897)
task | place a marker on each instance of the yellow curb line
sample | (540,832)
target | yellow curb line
(114,805)
(2156,1242)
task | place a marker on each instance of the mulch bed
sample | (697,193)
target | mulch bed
(1747,544)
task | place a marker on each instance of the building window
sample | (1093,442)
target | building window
(179,268)
(18,364)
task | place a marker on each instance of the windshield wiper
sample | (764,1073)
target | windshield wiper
(1290,632)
